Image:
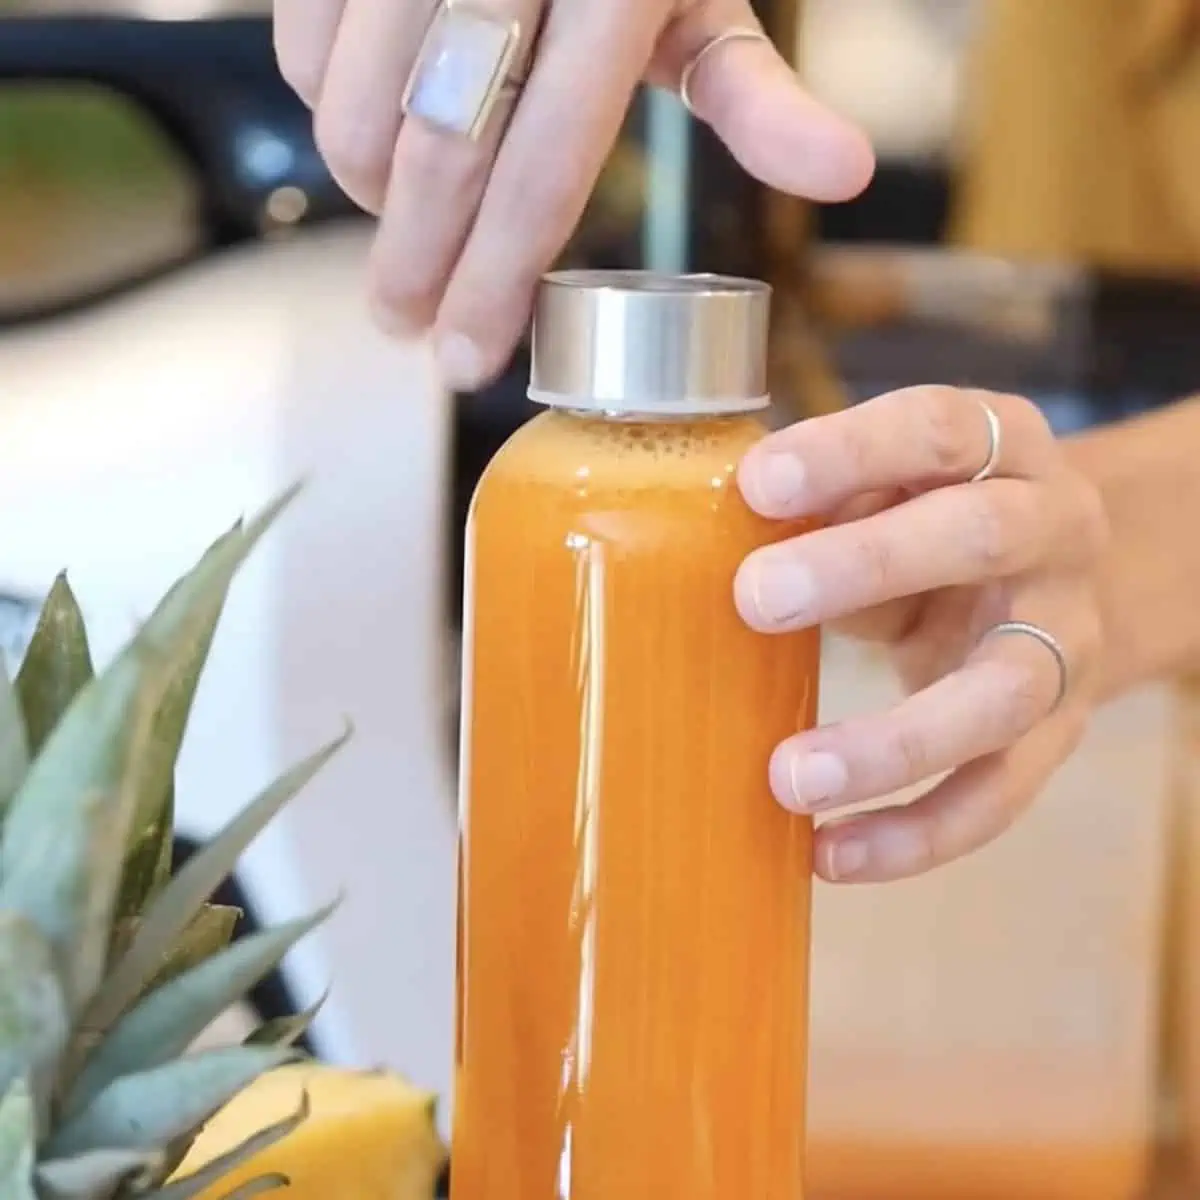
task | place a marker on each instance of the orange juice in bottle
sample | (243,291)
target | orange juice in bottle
(634,906)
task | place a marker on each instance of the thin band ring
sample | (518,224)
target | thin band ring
(1048,640)
(993,455)
(737,33)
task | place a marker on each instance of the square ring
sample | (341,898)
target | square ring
(462,68)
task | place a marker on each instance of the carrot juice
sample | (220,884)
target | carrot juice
(634,906)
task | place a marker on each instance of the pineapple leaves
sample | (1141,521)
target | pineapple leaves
(174,909)
(94,1174)
(209,931)
(17,1143)
(57,664)
(194,604)
(286,1031)
(33,1017)
(198,1182)
(107,764)
(57,878)
(14,742)
(149,1109)
(170,1018)
(148,857)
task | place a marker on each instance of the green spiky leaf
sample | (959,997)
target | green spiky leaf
(14,744)
(163,1025)
(286,1031)
(108,750)
(146,1111)
(17,1144)
(57,664)
(60,848)
(209,932)
(192,1185)
(33,1018)
(200,876)
(148,859)
(93,1175)
(196,602)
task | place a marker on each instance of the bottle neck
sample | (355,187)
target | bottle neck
(635,417)
(682,411)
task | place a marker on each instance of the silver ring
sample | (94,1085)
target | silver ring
(993,455)
(737,33)
(469,62)
(1048,640)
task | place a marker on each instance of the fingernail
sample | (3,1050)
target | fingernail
(459,360)
(783,592)
(776,484)
(815,781)
(846,859)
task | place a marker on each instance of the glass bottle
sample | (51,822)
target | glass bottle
(634,905)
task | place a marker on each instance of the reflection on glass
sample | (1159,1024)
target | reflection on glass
(91,196)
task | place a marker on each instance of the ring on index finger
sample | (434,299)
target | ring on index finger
(471,61)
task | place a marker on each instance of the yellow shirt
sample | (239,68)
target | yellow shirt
(1084,133)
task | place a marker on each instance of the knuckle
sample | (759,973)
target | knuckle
(911,752)
(856,448)
(947,432)
(402,302)
(1026,420)
(992,540)
(357,156)
(303,78)
(875,565)
(1091,532)
(302,72)
(1022,701)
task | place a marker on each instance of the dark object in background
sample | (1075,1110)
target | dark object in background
(906,204)
(272,997)
(212,88)
(211,85)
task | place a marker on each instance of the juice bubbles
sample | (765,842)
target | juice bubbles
(634,906)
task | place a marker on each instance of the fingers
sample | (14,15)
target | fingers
(915,439)
(963,813)
(437,183)
(560,135)
(952,536)
(1009,685)
(358,114)
(751,97)
(304,33)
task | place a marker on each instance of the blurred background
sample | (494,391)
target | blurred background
(183,332)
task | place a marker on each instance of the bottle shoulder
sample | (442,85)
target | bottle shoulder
(558,451)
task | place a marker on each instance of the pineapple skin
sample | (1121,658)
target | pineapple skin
(370,1135)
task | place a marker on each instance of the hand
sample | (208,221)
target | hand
(919,558)
(467,228)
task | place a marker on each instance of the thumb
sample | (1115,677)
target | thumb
(751,97)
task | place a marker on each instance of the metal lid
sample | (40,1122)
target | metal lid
(626,342)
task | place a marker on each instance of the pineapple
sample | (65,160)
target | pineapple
(369,1136)
(110,967)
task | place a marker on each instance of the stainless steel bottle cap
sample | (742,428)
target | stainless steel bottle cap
(636,342)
